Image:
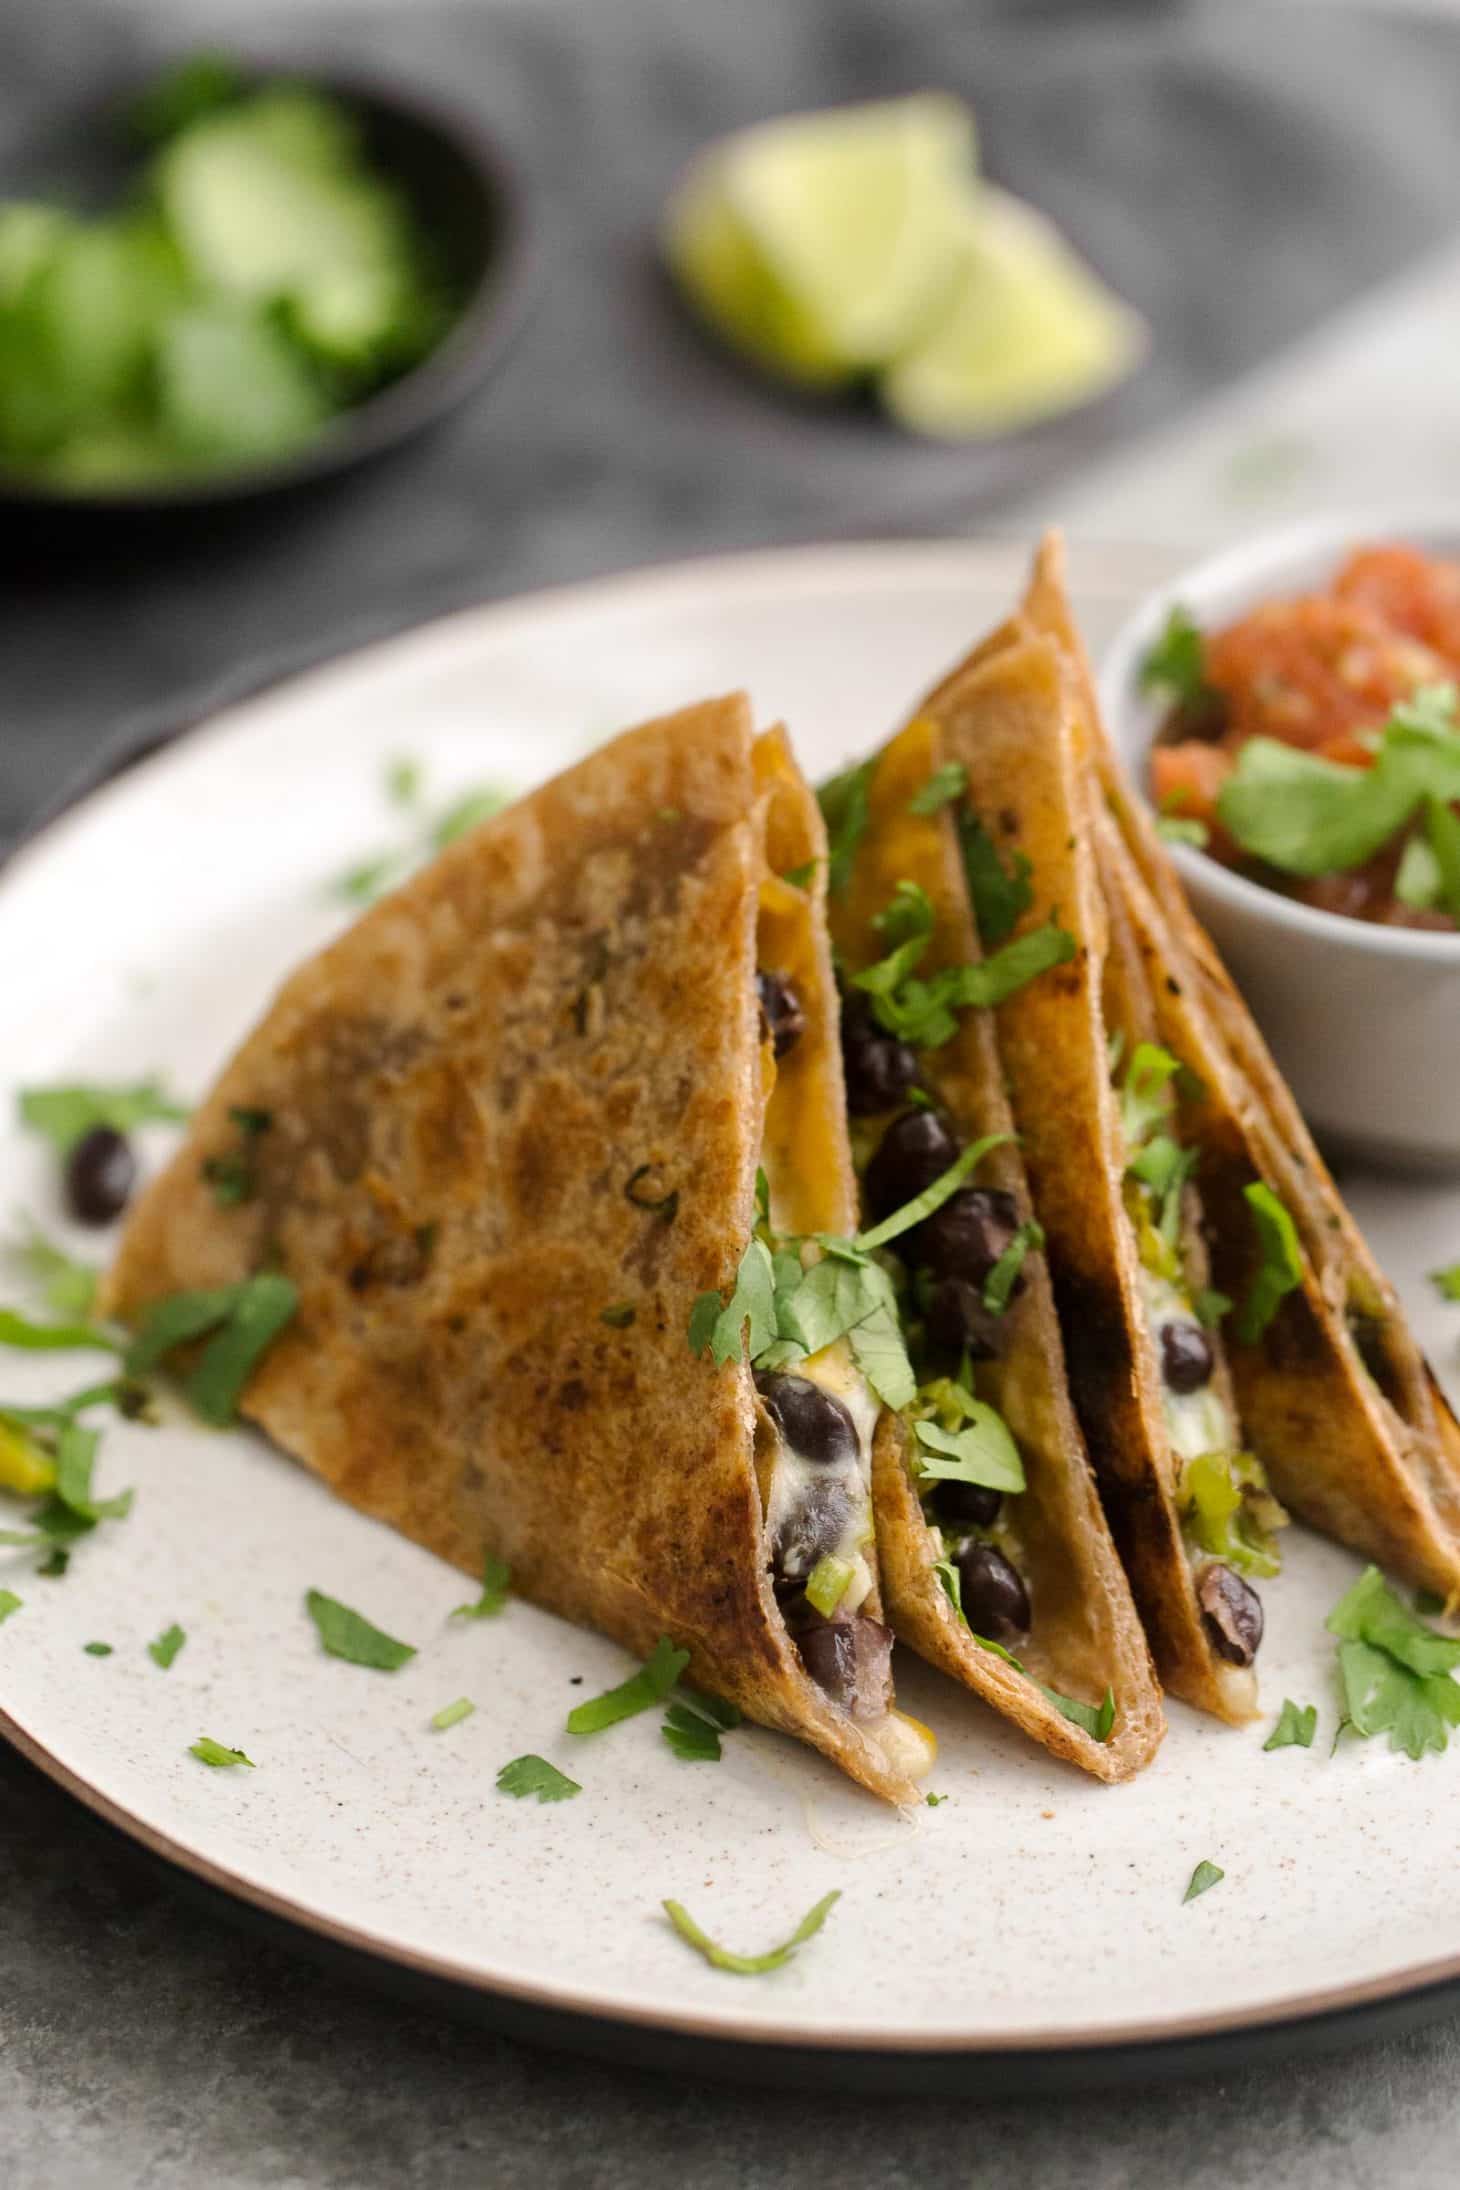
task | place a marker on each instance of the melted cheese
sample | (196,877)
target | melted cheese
(1196,1422)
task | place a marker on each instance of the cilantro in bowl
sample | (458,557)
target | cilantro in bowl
(259,276)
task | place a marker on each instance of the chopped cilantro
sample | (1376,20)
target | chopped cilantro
(1310,816)
(452,1714)
(9,1603)
(1443,825)
(726,1716)
(1175,663)
(97,1649)
(943,786)
(1000,896)
(1146,1097)
(802,877)
(924,1013)
(1394,1670)
(1210,1306)
(981,1451)
(846,808)
(1281,1269)
(231,1174)
(1164,1166)
(208,1751)
(933,1800)
(663,1206)
(64,1114)
(932,1197)
(20,1331)
(244,1319)
(76,1450)
(466,811)
(348,1635)
(54,1565)
(168,1644)
(747,1321)
(952,1582)
(1203,1878)
(691,1737)
(496,1582)
(640,1692)
(1096,1719)
(369,878)
(1183,829)
(1296,1726)
(1447,1281)
(67,1287)
(998,1286)
(619,1316)
(532,1775)
(749,1965)
(404,779)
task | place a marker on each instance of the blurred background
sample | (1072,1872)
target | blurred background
(1273,188)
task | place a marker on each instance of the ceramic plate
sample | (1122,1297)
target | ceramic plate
(1032,1914)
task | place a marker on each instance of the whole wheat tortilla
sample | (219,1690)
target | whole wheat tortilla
(1010,719)
(1336,1397)
(1086,1637)
(526,1088)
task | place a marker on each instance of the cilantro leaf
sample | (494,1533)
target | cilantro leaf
(1281,1268)
(1175,663)
(76,1450)
(466,811)
(496,1581)
(1000,896)
(168,1644)
(749,1311)
(691,1738)
(208,1751)
(880,1352)
(933,1800)
(906,925)
(924,1013)
(246,1319)
(67,1287)
(1203,1878)
(452,1714)
(1296,1726)
(846,808)
(1382,1696)
(1146,1097)
(802,877)
(31,1337)
(749,1965)
(64,1114)
(725,1716)
(1370,1612)
(403,781)
(1096,1719)
(1447,1281)
(998,1286)
(349,1635)
(640,1692)
(952,1582)
(97,1649)
(981,1452)
(1210,1306)
(369,878)
(532,1775)
(1183,829)
(932,1197)
(943,786)
(9,1603)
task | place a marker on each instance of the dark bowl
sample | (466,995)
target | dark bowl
(463,191)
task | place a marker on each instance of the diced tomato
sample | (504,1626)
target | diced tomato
(1411,592)
(1186,779)
(1313,672)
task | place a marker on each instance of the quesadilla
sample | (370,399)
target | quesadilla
(547,1144)
(1094,1097)
(997,1563)
(1334,1393)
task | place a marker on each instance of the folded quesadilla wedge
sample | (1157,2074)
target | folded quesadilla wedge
(1094,1100)
(507,1137)
(1336,1396)
(997,1563)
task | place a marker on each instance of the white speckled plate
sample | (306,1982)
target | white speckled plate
(1033,1913)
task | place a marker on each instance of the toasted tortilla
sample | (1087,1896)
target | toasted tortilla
(1011,720)
(1336,1397)
(528,1087)
(1086,1637)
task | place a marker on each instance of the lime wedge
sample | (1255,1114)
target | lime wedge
(822,244)
(1029,331)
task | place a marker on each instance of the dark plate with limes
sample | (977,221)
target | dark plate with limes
(187,345)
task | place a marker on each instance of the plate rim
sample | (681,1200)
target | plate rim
(1326,2019)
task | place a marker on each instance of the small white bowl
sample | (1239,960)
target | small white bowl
(1364,1020)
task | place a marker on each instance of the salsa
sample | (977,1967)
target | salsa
(1314,744)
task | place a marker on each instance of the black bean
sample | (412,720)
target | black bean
(957,1319)
(1186,1357)
(100,1174)
(812,1421)
(852,1660)
(995,1601)
(815,1530)
(966,1237)
(917,1148)
(879,1069)
(782,1008)
(966,1505)
(1231,1613)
